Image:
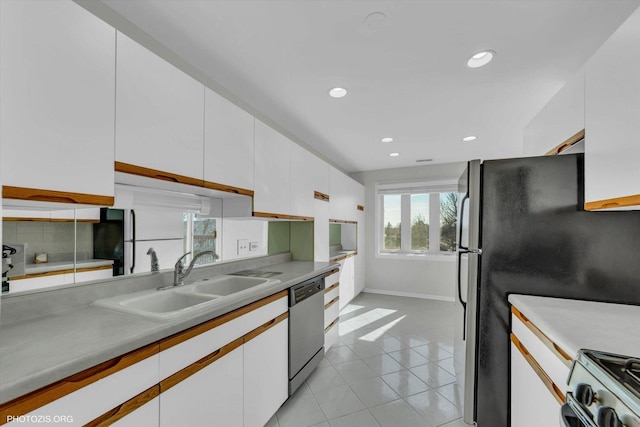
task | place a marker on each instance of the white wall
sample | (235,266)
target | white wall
(432,277)
(251,230)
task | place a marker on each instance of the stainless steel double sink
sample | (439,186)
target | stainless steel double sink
(183,300)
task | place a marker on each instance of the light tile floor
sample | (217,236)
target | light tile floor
(393,367)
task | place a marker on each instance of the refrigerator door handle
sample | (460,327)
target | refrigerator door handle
(133,241)
(464,303)
(464,201)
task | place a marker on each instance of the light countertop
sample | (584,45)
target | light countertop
(576,324)
(38,352)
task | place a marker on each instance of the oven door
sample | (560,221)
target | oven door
(572,414)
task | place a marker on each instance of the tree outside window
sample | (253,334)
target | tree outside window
(431,218)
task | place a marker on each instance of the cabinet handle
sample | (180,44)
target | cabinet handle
(167,178)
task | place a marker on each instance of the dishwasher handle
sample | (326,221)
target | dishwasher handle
(306,289)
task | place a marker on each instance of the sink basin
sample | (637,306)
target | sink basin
(161,305)
(226,285)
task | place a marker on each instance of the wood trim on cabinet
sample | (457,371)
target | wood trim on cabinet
(282,216)
(157,174)
(265,327)
(321,196)
(228,188)
(342,258)
(185,373)
(549,384)
(39,195)
(57,272)
(330,303)
(555,348)
(45,395)
(126,408)
(340,221)
(204,327)
(617,202)
(332,287)
(360,208)
(332,324)
(566,144)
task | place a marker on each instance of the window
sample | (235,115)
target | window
(200,235)
(416,218)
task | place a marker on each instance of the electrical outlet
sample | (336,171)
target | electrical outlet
(254,246)
(243,246)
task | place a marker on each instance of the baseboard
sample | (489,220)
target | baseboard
(407,294)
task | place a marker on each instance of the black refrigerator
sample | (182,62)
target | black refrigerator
(523,230)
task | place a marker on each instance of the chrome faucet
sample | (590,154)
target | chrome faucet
(179,273)
(155,266)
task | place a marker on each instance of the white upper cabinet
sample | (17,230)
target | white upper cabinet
(308,174)
(271,168)
(346,194)
(228,142)
(159,113)
(57,82)
(559,120)
(612,120)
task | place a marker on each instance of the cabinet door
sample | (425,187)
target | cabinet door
(308,174)
(347,281)
(559,120)
(228,143)
(159,113)
(266,378)
(57,81)
(612,108)
(271,166)
(211,396)
(338,192)
(532,405)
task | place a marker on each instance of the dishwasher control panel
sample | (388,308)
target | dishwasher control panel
(304,290)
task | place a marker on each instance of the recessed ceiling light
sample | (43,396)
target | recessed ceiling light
(394,154)
(337,92)
(469,138)
(481,58)
(387,139)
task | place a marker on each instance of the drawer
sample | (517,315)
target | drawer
(331,292)
(540,347)
(331,280)
(183,349)
(331,337)
(331,311)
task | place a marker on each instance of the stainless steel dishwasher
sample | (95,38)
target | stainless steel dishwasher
(306,330)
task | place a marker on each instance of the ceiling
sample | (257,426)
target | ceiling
(406,75)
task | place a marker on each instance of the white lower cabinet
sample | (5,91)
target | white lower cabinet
(539,371)
(266,365)
(99,397)
(212,396)
(347,281)
(532,405)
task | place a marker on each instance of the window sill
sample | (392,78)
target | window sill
(447,257)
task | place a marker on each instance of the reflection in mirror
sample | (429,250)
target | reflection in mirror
(49,247)
(86,244)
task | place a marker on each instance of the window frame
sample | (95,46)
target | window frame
(405,190)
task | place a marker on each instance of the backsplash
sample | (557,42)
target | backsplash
(57,239)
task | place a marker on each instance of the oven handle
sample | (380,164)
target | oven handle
(573,415)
